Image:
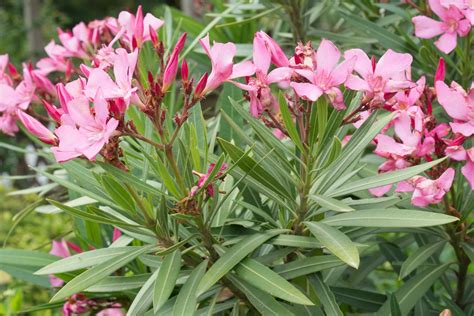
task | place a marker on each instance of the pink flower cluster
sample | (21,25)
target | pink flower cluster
(456,19)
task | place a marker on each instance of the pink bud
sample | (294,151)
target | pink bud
(52,111)
(153,36)
(440,71)
(36,128)
(170,72)
(85,70)
(64,96)
(374,63)
(139,26)
(117,233)
(200,86)
(184,71)
(13,72)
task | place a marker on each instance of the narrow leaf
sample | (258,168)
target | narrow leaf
(187,298)
(419,257)
(166,279)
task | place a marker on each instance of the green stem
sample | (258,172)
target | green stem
(174,167)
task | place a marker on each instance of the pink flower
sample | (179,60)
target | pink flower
(278,57)
(223,69)
(460,154)
(389,75)
(76,304)
(261,97)
(459,104)
(82,132)
(136,27)
(111,312)
(204,177)
(36,128)
(466,7)
(60,249)
(427,191)
(452,24)
(124,66)
(392,164)
(328,75)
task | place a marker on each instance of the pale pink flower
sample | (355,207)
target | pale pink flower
(60,249)
(204,177)
(111,312)
(466,7)
(76,304)
(452,24)
(392,164)
(459,105)
(171,67)
(84,132)
(327,78)
(223,68)
(427,191)
(460,154)
(389,75)
(124,66)
(278,57)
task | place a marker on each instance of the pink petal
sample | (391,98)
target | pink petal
(356,83)
(447,42)
(446,179)
(60,248)
(436,7)
(80,111)
(327,56)
(379,191)
(243,69)
(261,55)
(342,71)
(466,129)
(426,27)
(452,101)
(307,90)
(280,74)
(392,63)
(363,65)
(468,172)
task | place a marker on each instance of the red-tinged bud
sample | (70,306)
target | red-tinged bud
(184,71)
(64,96)
(139,26)
(150,78)
(170,72)
(134,43)
(85,70)
(153,36)
(52,111)
(374,63)
(36,128)
(429,106)
(201,85)
(13,72)
(180,44)
(177,120)
(440,71)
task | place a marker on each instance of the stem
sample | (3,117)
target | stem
(174,167)
(145,139)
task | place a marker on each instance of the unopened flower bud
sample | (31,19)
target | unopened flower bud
(201,85)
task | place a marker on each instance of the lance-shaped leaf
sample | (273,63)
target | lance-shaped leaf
(187,298)
(119,283)
(330,203)
(325,295)
(271,282)
(306,266)
(419,257)
(232,257)
(97,273)
(335,241)
(144,297)
(166,279)
(389,218)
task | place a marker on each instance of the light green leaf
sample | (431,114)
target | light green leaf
(144,297)
(232,257)
(382,179)
(187,298)
(84,260)
(166,279)
(330,203)
(97,273)
(288,121)
(335,241)
(389,218)
(27,258)
(268,281)
(119,283)
(419,257)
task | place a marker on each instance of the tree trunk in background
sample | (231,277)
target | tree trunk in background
(31,9)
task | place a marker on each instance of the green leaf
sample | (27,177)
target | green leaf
(119,283)
(97,273)
(288,121)
(325,295)
(249,165)
(28,258)
(335,241)
(268,281)
(330,203)
(296,241)
(232,257)
(187,298)
(382,179)
(389,218)
(84,260)
(306,266)
(118,193)
(368,301)
(263,302)
(166,279)
(419,257)
(414,289)
(144,297)
(394,306)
